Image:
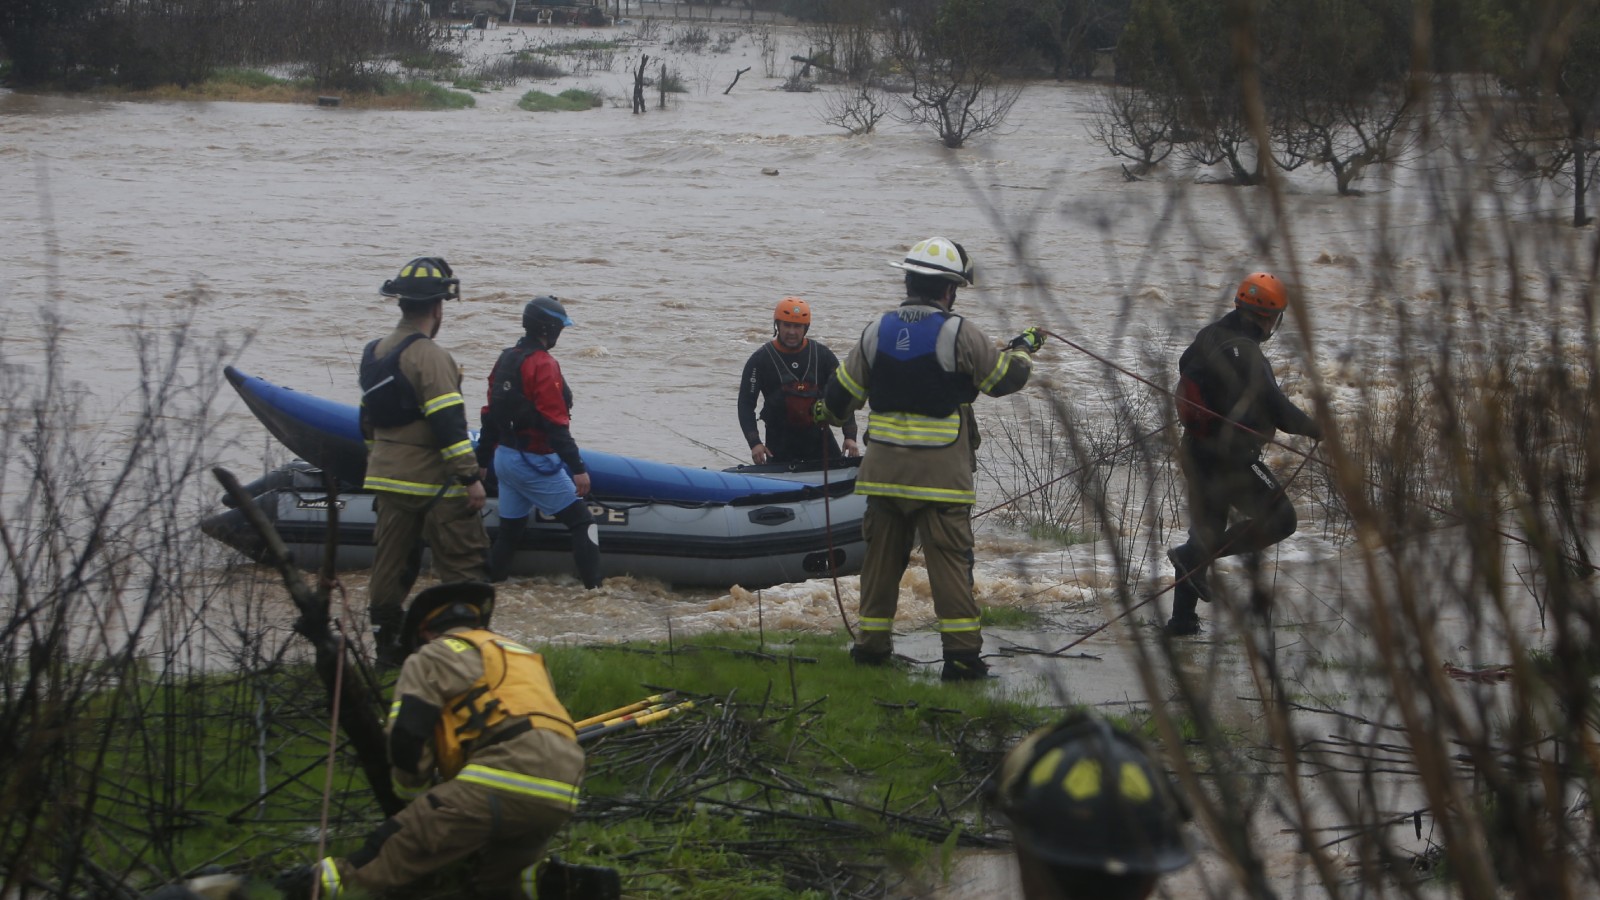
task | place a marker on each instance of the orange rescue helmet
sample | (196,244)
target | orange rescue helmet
(792,309)
(1262,293)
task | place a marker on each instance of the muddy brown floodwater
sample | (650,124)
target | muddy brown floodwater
(669,242)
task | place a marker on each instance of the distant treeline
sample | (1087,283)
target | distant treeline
(78,44)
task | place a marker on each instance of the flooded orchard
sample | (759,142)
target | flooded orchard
(669,235)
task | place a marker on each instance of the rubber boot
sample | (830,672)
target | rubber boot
(861,656)
(504,548)
(296,883)
(1184,621)
(386,624)
(559,880)
(1188,567)
(585,541)
(964,665)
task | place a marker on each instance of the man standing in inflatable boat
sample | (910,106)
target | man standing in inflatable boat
(787,375)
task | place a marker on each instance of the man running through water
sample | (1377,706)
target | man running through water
(1230,406)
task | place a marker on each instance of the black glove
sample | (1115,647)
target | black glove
(296,883)
(559,880)
(1031,339)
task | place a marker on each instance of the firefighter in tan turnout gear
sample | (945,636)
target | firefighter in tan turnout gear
(476,728)
(919,367)
(419,457)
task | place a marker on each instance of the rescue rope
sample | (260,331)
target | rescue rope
(1169,393)
(1093,462)
(827,528)
(333,738)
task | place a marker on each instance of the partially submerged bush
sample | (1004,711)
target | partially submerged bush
(570,100)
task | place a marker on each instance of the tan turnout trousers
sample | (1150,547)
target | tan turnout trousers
(892,526)
(507,831)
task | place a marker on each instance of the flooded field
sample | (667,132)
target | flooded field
(266,230)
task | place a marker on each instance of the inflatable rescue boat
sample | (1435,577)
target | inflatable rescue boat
(753,526)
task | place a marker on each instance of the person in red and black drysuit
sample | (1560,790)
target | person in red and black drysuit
(787,375)
(527,439)
(1230,407)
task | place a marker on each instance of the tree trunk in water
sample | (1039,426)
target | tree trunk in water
(1580,168)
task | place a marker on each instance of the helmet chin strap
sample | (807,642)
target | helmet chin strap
(1268,323)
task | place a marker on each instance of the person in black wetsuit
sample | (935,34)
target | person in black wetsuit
(787,375)
(1230,406)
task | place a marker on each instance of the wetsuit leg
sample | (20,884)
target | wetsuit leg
(1270,515)
(585,541)
(1205,479)
(505,547)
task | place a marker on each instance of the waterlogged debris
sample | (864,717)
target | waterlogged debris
(1486,675)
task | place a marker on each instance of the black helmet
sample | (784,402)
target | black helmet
(457,602)
(424,279)
(1084,795)
(543,314)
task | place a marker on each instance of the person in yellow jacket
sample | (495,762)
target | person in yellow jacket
(919,367)
(477,730)
(420,462)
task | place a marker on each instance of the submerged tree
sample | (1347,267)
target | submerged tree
(1243,85)
(1136,125)
(953,51)
(1546,55)
(1337,86)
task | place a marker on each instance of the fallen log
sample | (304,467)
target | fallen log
(355,703)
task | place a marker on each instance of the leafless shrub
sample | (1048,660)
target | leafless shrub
(857,110)
(767,40)
(693,38)
(506,70)
(647,30)
(953,63)
(1135,125)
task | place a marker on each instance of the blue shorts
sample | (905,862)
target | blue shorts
(532,480)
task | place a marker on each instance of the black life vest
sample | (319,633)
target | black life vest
(387,398)
(509,408)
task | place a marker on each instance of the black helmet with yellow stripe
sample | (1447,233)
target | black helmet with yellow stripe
(423,280)
(445,606)
(1084,795)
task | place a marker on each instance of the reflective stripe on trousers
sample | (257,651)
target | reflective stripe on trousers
(526,785)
